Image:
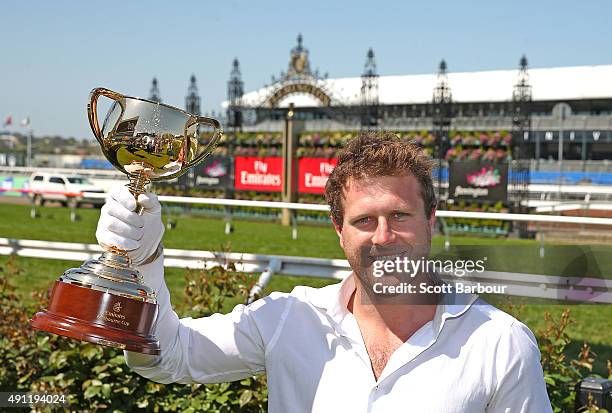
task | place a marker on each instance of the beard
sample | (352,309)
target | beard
(389,267)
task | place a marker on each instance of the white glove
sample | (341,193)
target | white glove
(120,226)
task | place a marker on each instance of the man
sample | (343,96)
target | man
(345,347)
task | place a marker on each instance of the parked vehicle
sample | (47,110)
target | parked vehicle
(65,189)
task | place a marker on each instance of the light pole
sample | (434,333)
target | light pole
(560,154)
(583,147)
(29,150)
(25,123)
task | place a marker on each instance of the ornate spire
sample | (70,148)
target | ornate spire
(235,90)
(370,65)
(369,92)
(522,89)
(521,129)
(299,64)
(523,62)
(192,101)
(442,67)
(442,92)
(521,111)
(441,119)
(299,40)
(154,94)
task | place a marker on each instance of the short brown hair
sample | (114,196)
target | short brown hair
(375,154)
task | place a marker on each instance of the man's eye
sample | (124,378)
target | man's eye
(363,221)
(400,216)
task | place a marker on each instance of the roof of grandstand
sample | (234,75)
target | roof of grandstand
(558,83)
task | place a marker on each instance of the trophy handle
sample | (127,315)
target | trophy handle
(202,120)
(92,108)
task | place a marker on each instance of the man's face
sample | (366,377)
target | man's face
(384,218)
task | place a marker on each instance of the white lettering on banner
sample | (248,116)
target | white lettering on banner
(318,181)
(247,178)
(326,168)
(261,167)
(315,181)
(474,192)
(205,180)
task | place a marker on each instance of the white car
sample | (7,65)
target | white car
(63,188)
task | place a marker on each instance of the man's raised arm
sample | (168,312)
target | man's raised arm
(221,347)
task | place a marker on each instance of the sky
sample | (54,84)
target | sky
(54,52)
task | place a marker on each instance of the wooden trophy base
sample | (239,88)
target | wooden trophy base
(99,317)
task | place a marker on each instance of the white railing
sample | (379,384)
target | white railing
(325,208)
(29,170)
(592,290)
(294,206)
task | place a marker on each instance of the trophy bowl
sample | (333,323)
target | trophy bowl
(105,301)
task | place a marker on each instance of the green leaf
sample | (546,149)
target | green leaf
(89,352)
(100,368)
(245,397)
(92,391)
(222,399)
(106,390)
(24,378)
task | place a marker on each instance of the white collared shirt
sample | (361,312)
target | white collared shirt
(471,357)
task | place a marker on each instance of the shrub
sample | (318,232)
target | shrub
(96,378)
(562,373)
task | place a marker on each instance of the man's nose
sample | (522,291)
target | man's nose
(384,233)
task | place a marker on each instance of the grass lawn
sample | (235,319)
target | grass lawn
(592,321)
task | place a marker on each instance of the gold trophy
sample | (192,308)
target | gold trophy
(105,301)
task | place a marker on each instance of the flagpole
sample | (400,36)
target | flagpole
(25,123)
(29,154)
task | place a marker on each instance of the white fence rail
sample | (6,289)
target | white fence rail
(607,222)
(576,289)
(325,208)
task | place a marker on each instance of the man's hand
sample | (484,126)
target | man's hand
(120,226)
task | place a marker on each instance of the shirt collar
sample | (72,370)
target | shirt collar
(334,299)
(452,305)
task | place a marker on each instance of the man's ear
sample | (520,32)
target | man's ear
(432,220)
(338,229)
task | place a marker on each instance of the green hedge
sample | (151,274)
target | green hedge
(97,379)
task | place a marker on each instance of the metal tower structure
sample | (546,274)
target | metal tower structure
(521,130)
(235,90)
(442,117)
(192,100)
(154,94)
(369,93)
(521,112)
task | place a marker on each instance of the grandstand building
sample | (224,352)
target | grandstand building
(573,104)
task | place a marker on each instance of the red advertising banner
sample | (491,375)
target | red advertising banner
(313,174)
(258,174)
